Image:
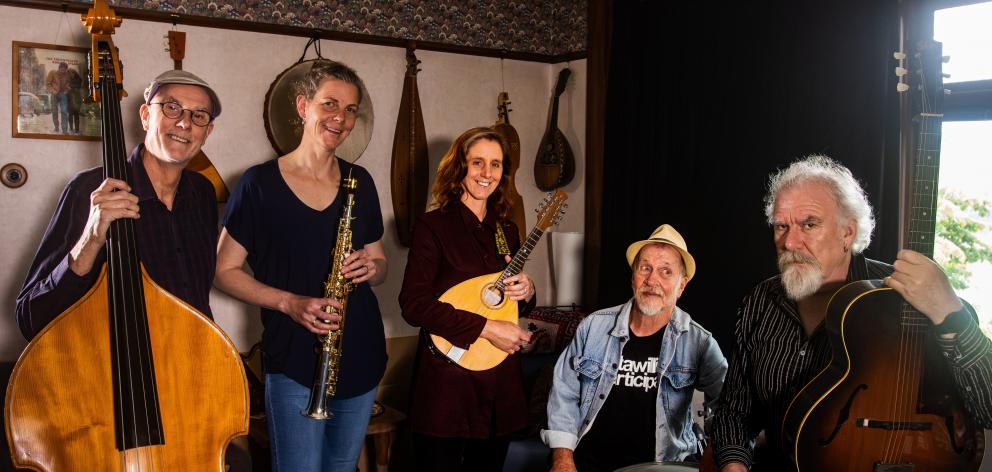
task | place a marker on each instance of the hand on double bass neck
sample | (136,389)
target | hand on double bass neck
(924,285)
(112,200)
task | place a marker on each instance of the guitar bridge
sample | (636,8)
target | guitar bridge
(893,425)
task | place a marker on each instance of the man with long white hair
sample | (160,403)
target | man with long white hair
(822,221)
(622,390)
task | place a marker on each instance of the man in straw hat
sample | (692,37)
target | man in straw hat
(622,390)
(177,228)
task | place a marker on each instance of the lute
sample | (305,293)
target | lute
(200,162)
(554,166)
(504,127)
(409,174)
(483,295)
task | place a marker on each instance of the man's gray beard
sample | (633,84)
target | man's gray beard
(800,282)
(646,310)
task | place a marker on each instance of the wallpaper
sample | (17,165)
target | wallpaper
(548,27)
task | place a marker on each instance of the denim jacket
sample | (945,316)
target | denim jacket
(690,359)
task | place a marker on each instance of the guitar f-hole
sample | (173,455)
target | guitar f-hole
(843,415)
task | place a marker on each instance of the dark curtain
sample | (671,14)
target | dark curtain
(704,100)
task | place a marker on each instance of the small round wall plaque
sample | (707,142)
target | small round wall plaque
(13,175)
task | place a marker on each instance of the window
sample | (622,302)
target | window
(964,226)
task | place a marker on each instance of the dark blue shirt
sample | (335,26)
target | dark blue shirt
(178,247)
(289,247)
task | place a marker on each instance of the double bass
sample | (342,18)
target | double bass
(886,401)
(129,377)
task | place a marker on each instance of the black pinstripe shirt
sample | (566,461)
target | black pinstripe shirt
(177,248)
(775,358)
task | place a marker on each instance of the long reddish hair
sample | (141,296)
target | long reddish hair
(454,167)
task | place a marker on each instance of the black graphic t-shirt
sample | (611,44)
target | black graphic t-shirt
(623,431)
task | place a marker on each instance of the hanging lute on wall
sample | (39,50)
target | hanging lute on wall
(554,166)
(200,162)
(504,127)
(409,176)
(483,295)
(887,401)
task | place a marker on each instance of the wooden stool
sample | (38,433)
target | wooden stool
(381,430)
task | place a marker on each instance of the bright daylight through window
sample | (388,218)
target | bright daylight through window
(964,225)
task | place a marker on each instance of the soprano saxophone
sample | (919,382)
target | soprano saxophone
(329,345)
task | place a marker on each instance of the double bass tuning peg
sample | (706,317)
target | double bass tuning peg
(899,55)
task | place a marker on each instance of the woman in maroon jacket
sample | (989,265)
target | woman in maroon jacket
(462,419)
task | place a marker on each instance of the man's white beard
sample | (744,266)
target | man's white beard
(648,306)
(799,281)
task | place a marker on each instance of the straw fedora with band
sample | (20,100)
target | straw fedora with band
(665,234)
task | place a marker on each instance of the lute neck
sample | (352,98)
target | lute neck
(516,264)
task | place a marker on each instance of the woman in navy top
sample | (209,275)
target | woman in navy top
(282,220)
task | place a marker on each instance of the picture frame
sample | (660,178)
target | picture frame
(50,98)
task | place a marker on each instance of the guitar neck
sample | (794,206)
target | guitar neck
(520,258)
(926,167)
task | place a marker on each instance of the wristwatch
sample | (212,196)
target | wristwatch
(955,323)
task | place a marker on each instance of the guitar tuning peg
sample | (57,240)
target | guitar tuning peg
(899,55)
(947,91)
(945,75)
(900,71)
(945,59)
(901,87)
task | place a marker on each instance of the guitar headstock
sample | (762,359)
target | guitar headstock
(412,62)
(176,46)
(552,209)
(923,73)
(562,81)
(100,20)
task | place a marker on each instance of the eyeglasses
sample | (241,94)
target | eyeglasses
(175,111)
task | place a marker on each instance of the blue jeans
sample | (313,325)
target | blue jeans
(301,444)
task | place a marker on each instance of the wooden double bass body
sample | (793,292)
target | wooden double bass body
(129,377)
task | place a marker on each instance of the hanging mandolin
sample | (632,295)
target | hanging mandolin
(554,166)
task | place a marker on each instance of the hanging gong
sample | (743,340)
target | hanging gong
(283,126)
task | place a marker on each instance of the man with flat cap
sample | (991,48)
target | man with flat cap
(622,390)
(175,209)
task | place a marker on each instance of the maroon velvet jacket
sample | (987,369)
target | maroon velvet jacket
(451,245)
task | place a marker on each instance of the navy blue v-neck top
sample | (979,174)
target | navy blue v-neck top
(289,247)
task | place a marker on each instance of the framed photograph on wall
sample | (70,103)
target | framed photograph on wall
(50,94)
